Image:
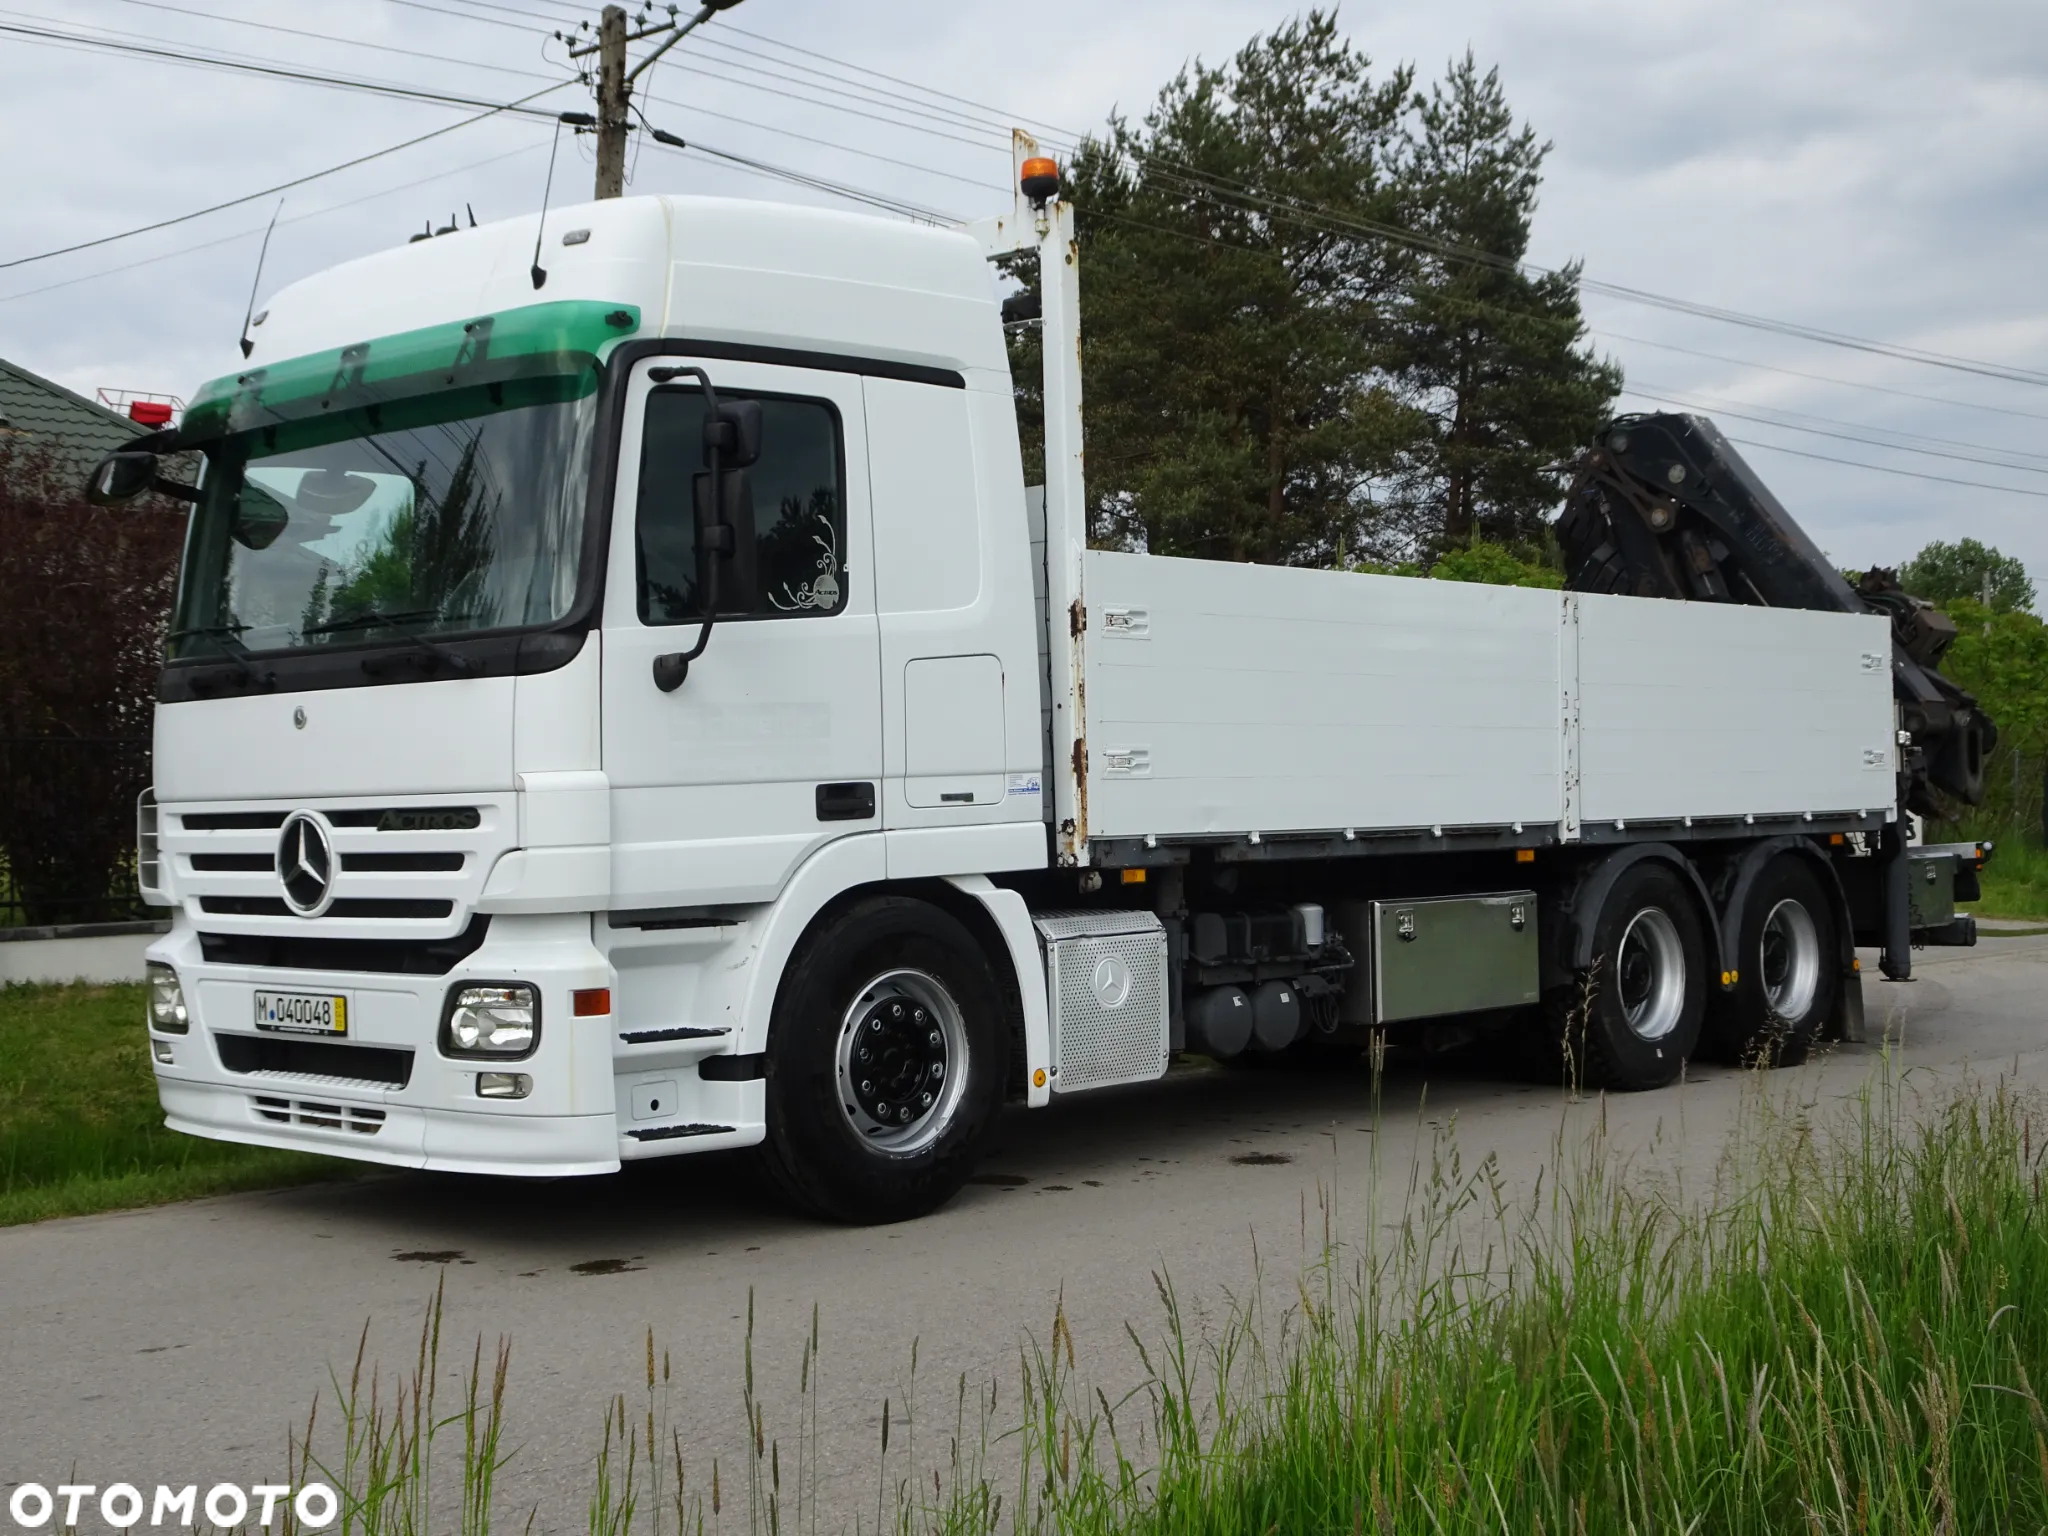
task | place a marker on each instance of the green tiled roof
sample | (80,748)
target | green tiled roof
(44,412)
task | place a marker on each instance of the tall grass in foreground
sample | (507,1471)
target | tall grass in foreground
(1845,1334)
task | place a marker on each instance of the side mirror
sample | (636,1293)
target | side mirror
(736,433)
(120,477)
(259,518)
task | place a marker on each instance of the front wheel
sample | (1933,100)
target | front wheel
(885,1069)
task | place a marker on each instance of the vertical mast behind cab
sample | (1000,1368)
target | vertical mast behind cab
(1043,221)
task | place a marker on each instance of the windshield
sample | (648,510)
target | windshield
(437,514)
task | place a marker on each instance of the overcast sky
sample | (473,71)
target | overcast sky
(1872,167)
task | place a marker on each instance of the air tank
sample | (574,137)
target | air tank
(1276,1015)
(1219,1022)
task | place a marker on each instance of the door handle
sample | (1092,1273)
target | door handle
(846,802)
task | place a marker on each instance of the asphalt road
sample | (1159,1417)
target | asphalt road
(178,1344)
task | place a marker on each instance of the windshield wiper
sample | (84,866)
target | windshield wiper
(456,663)
(372,620)
(226,636)
(459,664)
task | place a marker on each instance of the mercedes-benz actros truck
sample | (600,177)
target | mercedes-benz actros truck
(639,701)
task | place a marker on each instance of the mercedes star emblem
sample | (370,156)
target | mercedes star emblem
(305,863)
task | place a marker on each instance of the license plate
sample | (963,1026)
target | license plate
(302,1013)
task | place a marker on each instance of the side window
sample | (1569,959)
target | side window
(790,554)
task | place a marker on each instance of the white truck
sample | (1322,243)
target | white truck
(629,703)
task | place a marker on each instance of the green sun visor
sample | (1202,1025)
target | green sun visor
(521,356)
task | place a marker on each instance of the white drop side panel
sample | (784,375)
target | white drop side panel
(1711,709)
(1239,699)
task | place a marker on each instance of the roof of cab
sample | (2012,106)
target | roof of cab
(699,268)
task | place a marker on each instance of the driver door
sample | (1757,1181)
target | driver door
(772,745)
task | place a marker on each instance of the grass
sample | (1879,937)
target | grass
(2015,882)
(80,1129)
(1845,1333)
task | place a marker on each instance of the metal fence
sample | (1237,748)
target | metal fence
(67,829)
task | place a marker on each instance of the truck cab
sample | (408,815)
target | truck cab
(413,742)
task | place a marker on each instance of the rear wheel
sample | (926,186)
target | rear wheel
(1636,1013)
(1787,979)
(885,1064)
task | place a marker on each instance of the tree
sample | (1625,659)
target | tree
(1942,573)
(84,592)
(1230,342)
(1285,361)
(1496,565)
(1493,358)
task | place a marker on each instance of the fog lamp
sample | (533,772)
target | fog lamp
(161,1049)
(167,1012)
(500,1019)
(503,1085)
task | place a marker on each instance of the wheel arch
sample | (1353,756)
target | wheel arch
(1744,872)
(995,918)
(1579,907)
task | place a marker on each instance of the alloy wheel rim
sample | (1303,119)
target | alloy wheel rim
(902,1062)
(1788,960)
(1650,974)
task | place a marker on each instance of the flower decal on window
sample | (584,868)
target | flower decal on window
(822,591)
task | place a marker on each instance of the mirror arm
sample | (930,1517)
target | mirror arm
(672,668)
(176,489)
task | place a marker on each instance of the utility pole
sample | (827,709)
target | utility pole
(613,93)
(614,83)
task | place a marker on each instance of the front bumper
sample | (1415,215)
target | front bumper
(350,1105)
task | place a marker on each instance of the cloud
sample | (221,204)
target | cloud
(1871,166)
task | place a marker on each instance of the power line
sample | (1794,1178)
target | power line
(530,74)
(1886,469)
(328,37)
(1819,378)
(278,71)
(1199,181)
(1072,138)
(1853,436)
(244,234)
(283,186)
(1204,184)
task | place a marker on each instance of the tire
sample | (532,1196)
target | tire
(1787,973)
(1637,1012)
(906,981)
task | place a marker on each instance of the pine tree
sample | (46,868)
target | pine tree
(1229,342)
(1492,357)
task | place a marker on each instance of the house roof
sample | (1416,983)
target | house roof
(42,410)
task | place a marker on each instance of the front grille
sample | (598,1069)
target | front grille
(234,863)
(231,821)
(385,1065)
(390,906)
(358,1118)
(397,863)
(412,907)
(397,957)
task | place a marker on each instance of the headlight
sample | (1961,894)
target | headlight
(167,1013)
(491,1021)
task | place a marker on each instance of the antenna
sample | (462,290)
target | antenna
(573,120)
(248,343)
